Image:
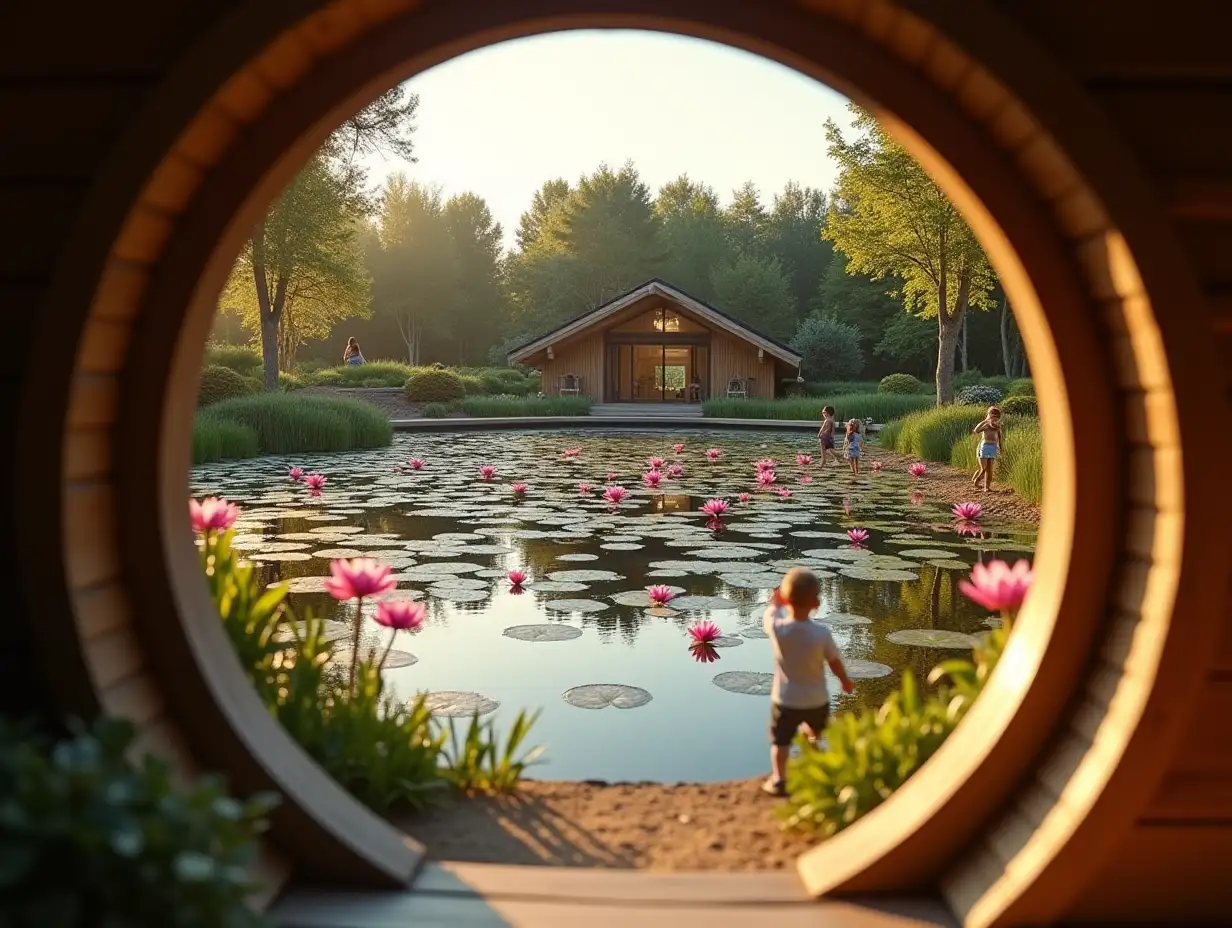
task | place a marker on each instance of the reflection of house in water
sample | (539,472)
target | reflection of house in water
(672,502)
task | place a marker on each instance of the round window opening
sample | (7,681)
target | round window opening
(615,576)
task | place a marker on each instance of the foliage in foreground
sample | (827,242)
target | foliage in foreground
(880,407)
(390,755)
(903,384)
(90,837)
(285,423)
(867,755)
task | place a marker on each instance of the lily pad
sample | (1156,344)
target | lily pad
(451,594)
(843,619)
(660,612)
(927,553)
(727,641)
(577,556)
(622,546)
(752,581)
(555,586)
(744,682)
(701,603)
(279,556)
(584,576)
(950,564)
(393,661)
(574,605)
(931,638)
(331,631)
(876,574)
(859,669)
(603,695)
(754,632)
(456,704)
(543,632)
(639,598)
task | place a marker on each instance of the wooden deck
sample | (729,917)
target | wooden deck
(495,896)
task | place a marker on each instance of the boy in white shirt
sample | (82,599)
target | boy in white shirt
(802,649)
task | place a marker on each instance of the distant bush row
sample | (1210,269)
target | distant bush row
(275,423)
(909,384)
(506,407)
(880,407)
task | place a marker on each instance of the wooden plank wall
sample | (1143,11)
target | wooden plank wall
(584,357)
(1168,90)
(730,357)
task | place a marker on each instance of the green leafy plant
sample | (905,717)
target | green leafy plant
(438,410)
(1020,465)
(478,762)
(904,384)
(932,434)
(432,385)
(221,383)
(1020,406)
(1023,386)
(880,407)
(839,387)
(240,358)
(219,439)
(980,394)
(522,406)
(90,837)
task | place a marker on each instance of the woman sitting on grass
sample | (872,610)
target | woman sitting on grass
(352,355)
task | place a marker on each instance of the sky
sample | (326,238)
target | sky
(502,120)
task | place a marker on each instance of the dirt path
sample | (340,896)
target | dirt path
(711,826)
(943,483)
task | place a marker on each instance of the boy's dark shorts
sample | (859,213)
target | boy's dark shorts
(827,441)
(786,721)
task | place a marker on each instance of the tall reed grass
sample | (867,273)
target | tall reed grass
(287,423)
(517,406)
(931,434)
(880,407)
(1020,465)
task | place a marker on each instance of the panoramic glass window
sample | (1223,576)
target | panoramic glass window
(634,591)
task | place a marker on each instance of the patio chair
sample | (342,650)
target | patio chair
(570,384)
(736,387)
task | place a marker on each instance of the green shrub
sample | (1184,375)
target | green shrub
(220,383)
(92,837)
(438,411)
(867,755)
(239,358)
(980,394)
(903,384)
(1020,406)
(493,383)
(473,386)
(828,346)
(511,407)
(888,437)
(968,378)
(369,374)
(880,407)
(311,366)
(931,434)
(1023,386)
(1020,466)
(839,387)
(220,439)
(288,382)
(289,423)
(433,385)
(389,753)
(330,377)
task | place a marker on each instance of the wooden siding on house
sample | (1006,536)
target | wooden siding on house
(584,357)
(731,358)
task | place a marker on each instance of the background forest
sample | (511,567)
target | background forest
(878,275)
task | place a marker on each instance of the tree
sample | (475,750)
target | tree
(479,313)
(907,341)
(304,253)
(303,256)
(856,299)
(415,269)
(831,349)
(543,205)
(755,290)
(890,218)
(745,221)
(693,235)
(792,233)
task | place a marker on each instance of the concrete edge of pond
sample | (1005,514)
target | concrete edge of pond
(624,422)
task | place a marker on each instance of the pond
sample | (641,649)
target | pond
(583,617)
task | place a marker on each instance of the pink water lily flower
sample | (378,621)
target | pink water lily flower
(611,475)
(571,452)
(615,495)
(714,453)
(678,447)
(715,507)
(916,497)
(704,632)
(806,478)
(487,471)
(652,478)
(660,594)
(998,587)
(400,614)
(918,469)
(358,577)
(417,463)
(804,460)
(519,488)
(745,497)
(766,477)
(967,512)
(765,464)
(315,481)
(296,474)
(675,470)
(517,576)
(654,462)
(968,528)
(857,535)
(584,488)
(784,492)
(875,466)
(703,652)
(716,525)
(212,514)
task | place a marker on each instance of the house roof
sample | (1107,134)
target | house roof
(656,287)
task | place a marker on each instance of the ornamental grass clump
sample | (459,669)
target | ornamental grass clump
(866,755)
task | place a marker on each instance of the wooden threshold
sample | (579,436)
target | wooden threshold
(495,896)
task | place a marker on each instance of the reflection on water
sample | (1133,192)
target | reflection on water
(452,537)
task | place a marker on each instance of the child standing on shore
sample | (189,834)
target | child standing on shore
(825,434)
(854,446)
(802,648)
(990,434)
